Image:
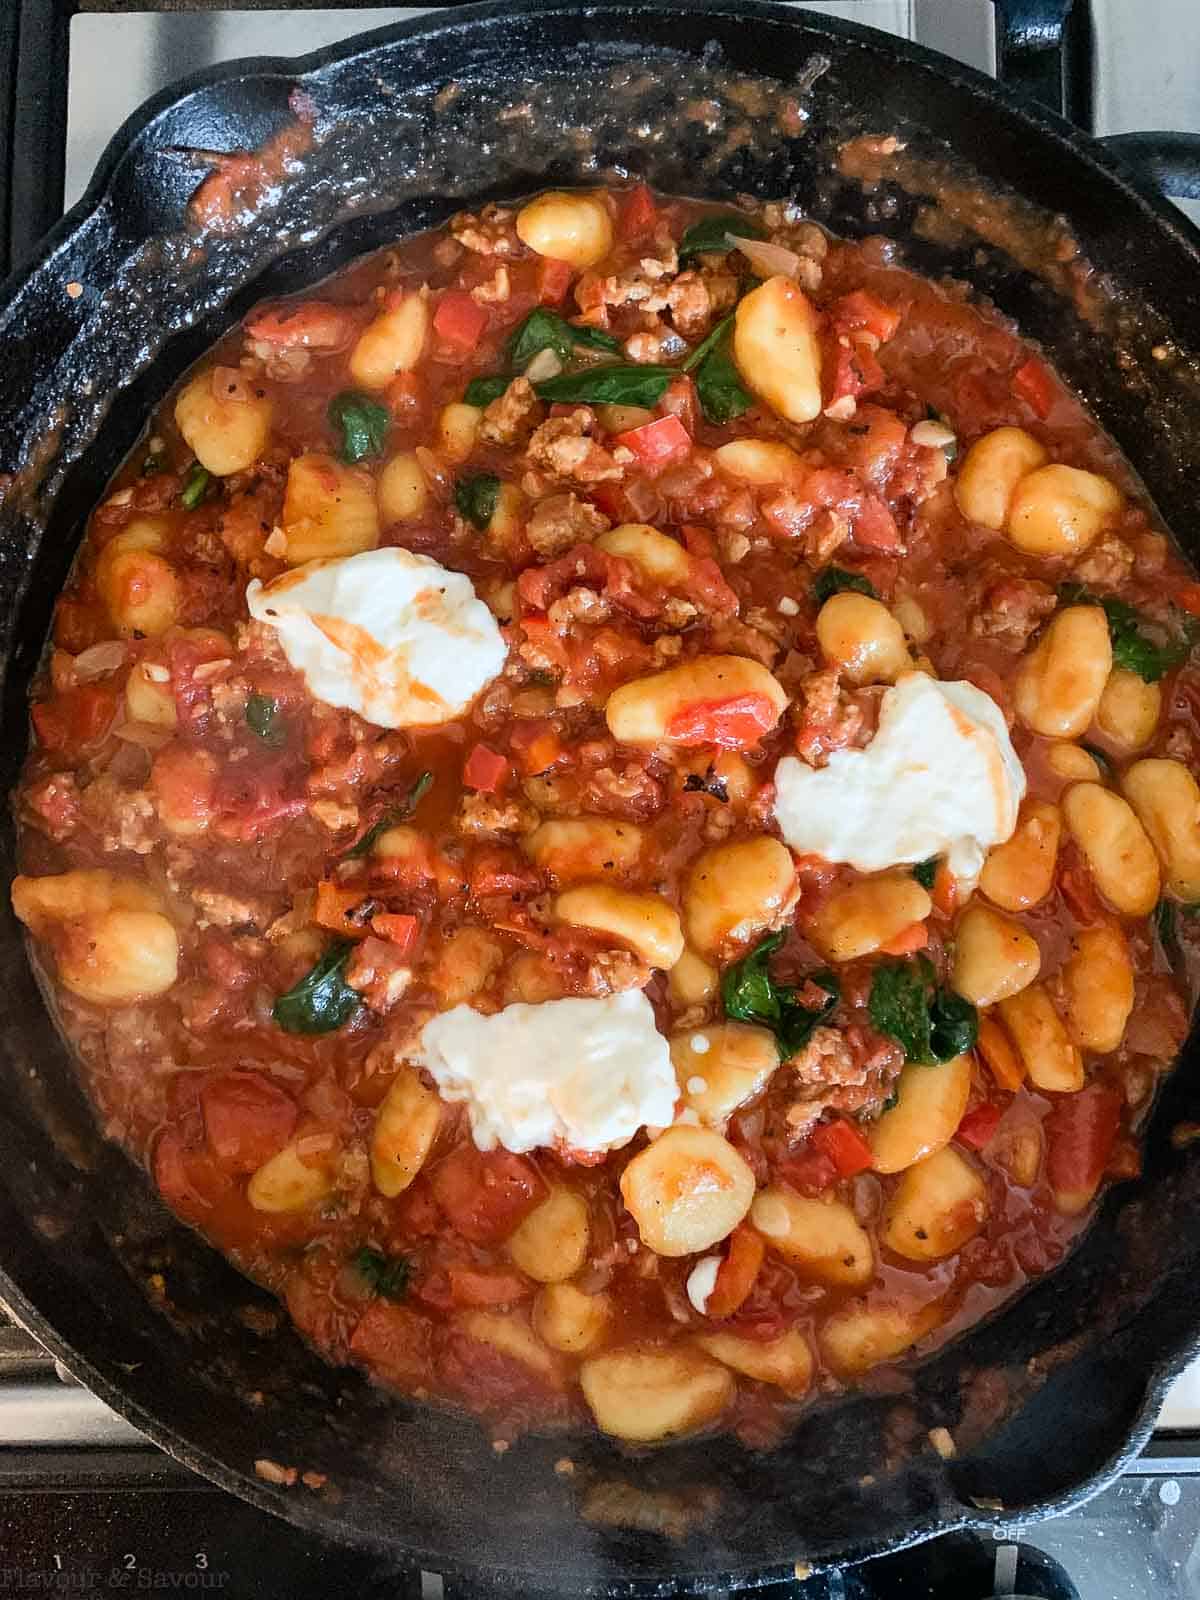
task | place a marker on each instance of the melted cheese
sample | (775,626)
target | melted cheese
(388,634)
(939,778)
(584,1074)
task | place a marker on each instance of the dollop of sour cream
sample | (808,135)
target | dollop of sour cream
(940,777)
(388,634)
(581,1073)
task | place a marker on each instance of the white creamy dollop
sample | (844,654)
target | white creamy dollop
(585,1074)
(388,634)
(940,777)
(702,1280)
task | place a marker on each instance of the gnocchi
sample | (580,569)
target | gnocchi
(930,1101)
(1097,984)
(572,227)
(990,473)
(687,1190)
(865,1333)
(403,491)
(785,1362)
(225,421)
(993,956)
(287,1182)
(112,943)
(1166,799)
(761,462)
(673,706)
(392,343)
(1059,686)
(1119,855)
(862,639)
(737,890)
(776,348)
(570,1320)
(329,510)
(938,1205)
(584,847)
(1129,709)
(822,1238)
(645,1394)
(137,584)
(868,915)
(406,1129)
(458,431)
(1058,510)
(720,1068)
(508,1333)
(1020,873)
(645,922)
(551,1244)
(1051,1060)
(662,560)
(692,981)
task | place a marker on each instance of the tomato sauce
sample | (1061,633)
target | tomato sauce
(264,837)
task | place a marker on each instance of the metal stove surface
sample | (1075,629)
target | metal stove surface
(86,1504)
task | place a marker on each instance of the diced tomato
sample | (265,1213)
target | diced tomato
(914,937)
(735,724)
(1033,384)
(852,371)
(875,527)
(944,890)
(736,1274)
(809,1170)
(845,1146)
(77,626)
(394,1341)
(188,1180)
(247,1119)
(698,542)
(398,928)
(1187,597)
(500,870)
(1079,892)
(486,1195)
(487,1286)
(535,745)
(459,319)
(1080,1134)
(75,718)
(997,1049)
(340,910)
(485,770)
(553,281)
(609,498)
(977,1127)
(657,443)
(638,214)
(254,797)
(861,310)
(680,401)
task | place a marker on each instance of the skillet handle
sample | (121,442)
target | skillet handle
(1168,162)
(1043,50)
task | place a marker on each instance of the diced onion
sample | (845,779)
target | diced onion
(99,659)
(772,260)
(314,1144)
(544,365)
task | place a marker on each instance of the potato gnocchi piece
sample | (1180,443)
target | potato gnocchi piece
(1060,683)
(736,891)
(508,1333)
(861,638)
(785,1362)
(864,1333)
(1051,1059)
(568,1319)
(1020,873)
(991,470)
(776,348)
(112,942)
(567,226)
(551,1245)
(406,1126)
(719,1068)
(660,559)
(224,420)
(664,708)
(1118,852)
(761,462)
(329,510)
(287,1183)
(687,1190)
(1166,799)
(392,343)
(645,922)
(993,956)
(138,586)
(868,915)
(647,1393)
(930,1102)
(584,847)
(1098,988)
(822,1238)
(939,1204)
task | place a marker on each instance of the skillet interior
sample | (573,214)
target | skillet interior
(1075,1367)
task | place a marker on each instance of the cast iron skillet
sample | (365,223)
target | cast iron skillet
(1046,1401)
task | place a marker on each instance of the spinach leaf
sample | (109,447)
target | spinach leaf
(362,422)
(386,1276)
(615,385)
(750,994)
(390,818)
(719,385)
(926,871)
(1132,649)
(546,330)
(482,391)
(262,717)
(322,1000)
(708,236)
(195,486)
(931,1022)
(833,580)
(476,497)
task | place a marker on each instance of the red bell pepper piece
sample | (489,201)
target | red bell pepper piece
(734,724)
(638,214)
(979,1125)
(76,717)
(657,443)
(553,281)
(861,310)
(844,1145)
(397,927)
(535,745)
(459,319)
(1033,384)
(1187,598)
(485,770)
(914,937)
(1080,1134)
(736,1274)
